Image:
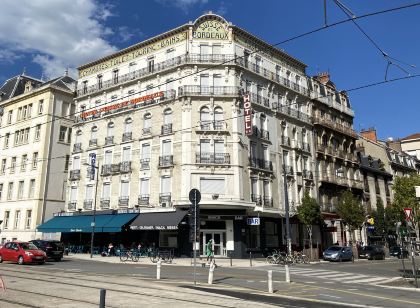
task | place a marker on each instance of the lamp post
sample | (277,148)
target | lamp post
(286,210)
(94,203)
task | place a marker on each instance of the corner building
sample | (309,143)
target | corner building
(167,115)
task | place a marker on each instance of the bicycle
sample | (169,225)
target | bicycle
(127,254)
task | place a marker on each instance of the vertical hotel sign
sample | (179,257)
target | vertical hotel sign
(247,115)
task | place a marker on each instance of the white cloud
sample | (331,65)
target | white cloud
(8,56)
(182,4)
(57,33)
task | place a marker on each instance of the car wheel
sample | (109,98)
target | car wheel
(340,259)
(57,259)
(1,259)
(20,260)
(41,263)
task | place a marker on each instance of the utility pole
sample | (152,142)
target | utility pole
(286,209)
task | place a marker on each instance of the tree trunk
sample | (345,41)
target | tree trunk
(310,241)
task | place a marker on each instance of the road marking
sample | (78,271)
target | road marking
(328,282)
(250,281)
(388,280)
(310,282)
(263,280)
(365,280)
(327,295)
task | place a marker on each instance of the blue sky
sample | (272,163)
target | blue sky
(45,36)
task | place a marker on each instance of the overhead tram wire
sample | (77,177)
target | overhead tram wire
(236,117)
(234,59)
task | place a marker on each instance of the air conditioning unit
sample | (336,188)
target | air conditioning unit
(164,204)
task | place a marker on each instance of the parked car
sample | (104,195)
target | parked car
(395,251)
(372,252)
(53,249)
(22,252)
(338,253)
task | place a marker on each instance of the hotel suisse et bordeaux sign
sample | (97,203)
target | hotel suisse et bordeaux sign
(212,30)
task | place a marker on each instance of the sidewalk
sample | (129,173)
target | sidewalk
(222,262)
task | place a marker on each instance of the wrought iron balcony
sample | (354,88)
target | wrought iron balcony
(72,205)
(306,147)
(260,100)
(106,169)
(166,161)
(145,164)
(147,131)
(77,148)
(210,58)
(165,198)
(74,175)
(192,90)
(285,141)
(88,204)
(268,201)
(125,166)
(288,170)
(261,164)
(212,125)
(105,203)
(307,175)
(109,140)
(212,158)
(257,199)
(166,129)
(261,133)
(115,168)
(328,208)
(93,142)
(128,136)
(317,120)
(123,201)
(143,199)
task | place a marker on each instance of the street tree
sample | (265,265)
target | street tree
(379,218)
(351,211)
(309,214)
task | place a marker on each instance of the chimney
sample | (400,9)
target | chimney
(324,77)
(370,134)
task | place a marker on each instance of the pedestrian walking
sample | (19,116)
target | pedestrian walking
(209,251)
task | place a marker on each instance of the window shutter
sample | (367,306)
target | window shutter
(166,185)
(106,192)
(217,49)
(204,80)
(128,127)
(205,146)
(73,194)
(124,189)
(204,49)
(126,154)
(76,163)
(147,122)
(167,117)
(89,192)
(144,186)
(145,151)
(254,186)
(219,146)
(166,147)
(217,80)
(212,186)
(108,158)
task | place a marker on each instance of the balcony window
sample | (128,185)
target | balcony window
(144,192)
(128,129)
(115,76)
(145,156)
(147,126)
(100,79)
(150,65)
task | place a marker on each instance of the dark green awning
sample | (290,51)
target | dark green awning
(83,223)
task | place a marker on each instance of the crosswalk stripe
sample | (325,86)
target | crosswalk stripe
(389,280)
(338,276)
(354,277)
(323,274)
(365,280)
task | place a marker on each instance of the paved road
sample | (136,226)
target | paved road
(360,283)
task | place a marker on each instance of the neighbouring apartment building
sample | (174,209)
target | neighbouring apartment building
(209,106)
(35,131)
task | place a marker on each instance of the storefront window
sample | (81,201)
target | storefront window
(168,239)
(254,237)
(271,234)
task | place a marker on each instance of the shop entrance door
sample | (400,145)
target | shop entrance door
(218,240)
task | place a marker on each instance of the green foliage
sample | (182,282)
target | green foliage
(350,210)
(309,212)
(379,217)
(392,215)
(405,194)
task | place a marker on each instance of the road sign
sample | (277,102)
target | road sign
(92,165)
(195,196)
(253,221)
(408,211)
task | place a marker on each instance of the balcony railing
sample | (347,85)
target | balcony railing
(127,136)
(212,158)
(165,198)
(212,125)
(257,199)
(335,126)
(288,170)
(74,175)
(166,129)
(123,201)
(294,113)
(106,169)
(261,133)
(77,147)
(115,168)
(328,208)
(166,161)
(268,201)
(210,58)
(260,100)
(145,164)
(72,205)
(261,164)
(125,166)
(307,175)
(285,141)
(143,199)
(306,147)
(331,103)
(208,90)
(105,203)
(147,131)
(93,142)
(109,140)
(87,204)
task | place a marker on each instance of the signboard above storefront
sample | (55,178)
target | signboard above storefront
(253,221)
(212,30)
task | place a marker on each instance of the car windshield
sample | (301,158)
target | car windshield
(367,248)
(27,246)
(334,248)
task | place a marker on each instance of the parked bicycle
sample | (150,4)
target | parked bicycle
(128,254)
(162,255)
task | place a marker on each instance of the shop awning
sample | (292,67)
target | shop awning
(82,223)
(158,221)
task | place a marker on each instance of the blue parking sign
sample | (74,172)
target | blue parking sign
(253,221)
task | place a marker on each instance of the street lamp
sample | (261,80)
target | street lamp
(94,206)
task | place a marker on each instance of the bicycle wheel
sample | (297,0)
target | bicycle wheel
(135,257)
(123,256)
(270,260)
(305,259)
(154,258)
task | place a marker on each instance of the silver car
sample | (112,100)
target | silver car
(338,253)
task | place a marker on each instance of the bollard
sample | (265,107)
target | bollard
(250,259)
(159,264)
(211,273)
(231,260)
(102,294)
(287,273)
(270,281)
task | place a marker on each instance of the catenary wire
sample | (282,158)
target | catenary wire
(240,57)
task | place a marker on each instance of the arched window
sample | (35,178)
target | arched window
(147,124)
(110,129)
(205,118)
(93,133)
(78,136)
(128,125)
(167,116)
(218,118)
